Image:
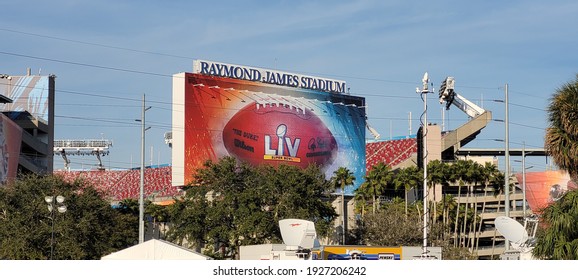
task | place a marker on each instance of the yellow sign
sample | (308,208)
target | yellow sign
(352,252)
(281,158)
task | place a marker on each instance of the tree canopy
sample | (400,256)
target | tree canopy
(89,229)
(557,236)
(231,203)
(561,141)
(397,222)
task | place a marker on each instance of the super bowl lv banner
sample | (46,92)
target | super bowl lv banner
(262,123)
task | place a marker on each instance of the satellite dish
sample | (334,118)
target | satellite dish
(511,230)
(296,232)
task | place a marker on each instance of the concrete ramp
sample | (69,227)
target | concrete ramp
(453,140)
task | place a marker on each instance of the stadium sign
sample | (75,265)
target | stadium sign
(268,76)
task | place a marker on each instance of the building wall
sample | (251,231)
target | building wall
(32,109)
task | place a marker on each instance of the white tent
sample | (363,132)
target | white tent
(156,250)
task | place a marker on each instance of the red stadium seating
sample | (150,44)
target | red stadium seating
(391,152)
(117,185)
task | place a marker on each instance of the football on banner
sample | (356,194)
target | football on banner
(277,133)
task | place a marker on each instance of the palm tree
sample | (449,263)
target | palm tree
(457,169)
(376,181)
(437,175)
(491,174)
(558,240)
(407,178)
(478,176)
(342,178)
(362,196)
(463,172)
(561,136)
(469,177)
(448,204)
(159,215)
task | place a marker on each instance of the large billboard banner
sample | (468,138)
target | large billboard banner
(10,141)
(545,187)
(264,123)
(28,93)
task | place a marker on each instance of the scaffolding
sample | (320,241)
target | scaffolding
(67,148)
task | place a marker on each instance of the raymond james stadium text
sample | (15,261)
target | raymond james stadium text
(268,76)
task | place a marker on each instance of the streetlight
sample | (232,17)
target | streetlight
(61,208)
(524,168)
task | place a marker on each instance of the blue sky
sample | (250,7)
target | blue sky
(107,54)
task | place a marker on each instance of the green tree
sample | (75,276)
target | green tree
(293,192)
(376,181)
(230,204)
(460,171)
(558,234)
(493,179)
(407,178)
(447,205)
(129,206)
(390,226)
(89,229)
(342,178)
(362,198)
(561,141)
(188,217)
(557,239)
(438,174)
(159,215)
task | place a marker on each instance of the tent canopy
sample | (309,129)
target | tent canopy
(155,249)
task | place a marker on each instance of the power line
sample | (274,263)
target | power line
(96,105)
(169,103)
(192,58)
(186,57)
(85,64)
(165,75)
(528,107)
(93,44)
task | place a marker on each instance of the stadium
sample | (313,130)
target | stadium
(259,116)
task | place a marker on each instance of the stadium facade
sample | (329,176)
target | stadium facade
(268,116)
(27,124)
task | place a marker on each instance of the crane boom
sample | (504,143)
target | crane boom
(448,94)
(372,130)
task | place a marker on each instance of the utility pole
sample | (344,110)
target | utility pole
(507,162)
(142,160)
(524,178)
(409,121)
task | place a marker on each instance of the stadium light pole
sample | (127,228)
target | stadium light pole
(142,160)
(53,202)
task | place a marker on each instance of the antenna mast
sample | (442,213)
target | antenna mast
(423,92)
